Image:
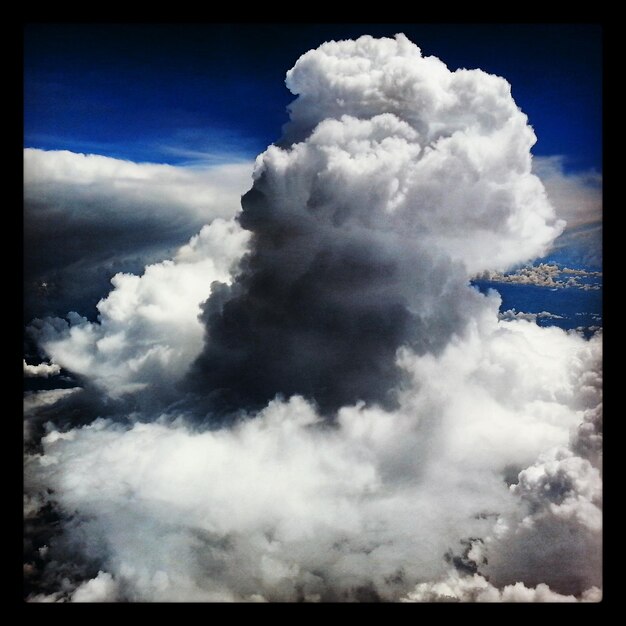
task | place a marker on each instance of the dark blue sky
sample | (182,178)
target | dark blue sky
(179,93)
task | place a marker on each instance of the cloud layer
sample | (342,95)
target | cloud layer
(87,217)
(389,437)
(283,507)
(577,198)
(547,275)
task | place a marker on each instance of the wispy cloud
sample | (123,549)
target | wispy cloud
(202,157)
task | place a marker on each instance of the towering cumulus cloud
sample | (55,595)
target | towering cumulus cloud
(359,423)
(403,180)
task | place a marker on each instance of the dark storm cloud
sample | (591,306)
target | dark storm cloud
(320,311)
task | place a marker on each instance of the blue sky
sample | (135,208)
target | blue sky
(186,93)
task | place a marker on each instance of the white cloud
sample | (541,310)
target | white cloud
(148,330)
(475,588)
(105,187)
(42,369)
(440,155)
(282,506)
(102,588)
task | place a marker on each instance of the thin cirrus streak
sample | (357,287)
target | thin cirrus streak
(358,424)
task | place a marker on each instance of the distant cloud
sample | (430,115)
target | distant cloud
(88,217)
(546,275)
(140,190)
(580,246)
(475,588)
(512,314)
(577,197)
(40,406)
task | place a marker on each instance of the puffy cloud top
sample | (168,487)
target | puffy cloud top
(397,180)
(456,171)
(42,369)
(148,331)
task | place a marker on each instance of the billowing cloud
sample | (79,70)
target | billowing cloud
(87,217)
(148,331)
(365,232)
(390,438)
(41,369)
(102,588)
(458,588)
(285,506)
(557,538)
(560,524)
